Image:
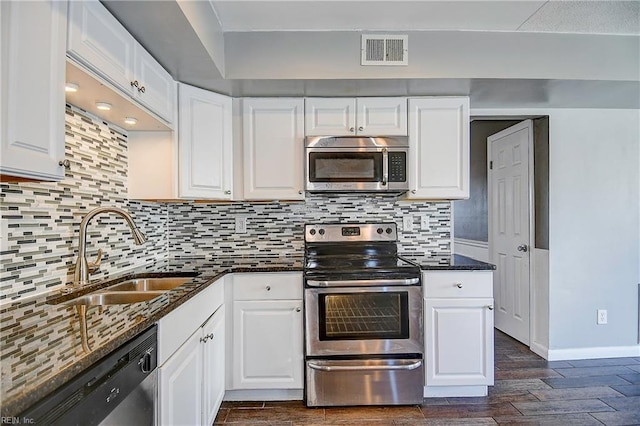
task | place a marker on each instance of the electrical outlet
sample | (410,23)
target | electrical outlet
(424,223)
(602,316)
(241,225)
(407,223)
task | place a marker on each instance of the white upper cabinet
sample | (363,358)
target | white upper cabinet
(102,44)
(32,101)
(356,116)
(439,146)
(155,88)
(205,144)
(273,145)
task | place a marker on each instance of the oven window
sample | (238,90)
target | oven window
(357,316)
(345,167)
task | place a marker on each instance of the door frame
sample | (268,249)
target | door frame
(531,207)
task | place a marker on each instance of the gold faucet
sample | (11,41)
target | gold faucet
(83,268)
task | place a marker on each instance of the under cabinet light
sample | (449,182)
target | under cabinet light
(131,121)
(71,87)
(103,106)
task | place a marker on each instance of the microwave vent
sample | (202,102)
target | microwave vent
(385,50)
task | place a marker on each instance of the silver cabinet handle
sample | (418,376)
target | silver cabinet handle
(523,248)
(459,285)
(268,288)
(490,307)
(141,89)
(352,129)
(360,128)
(411,366)
(300,192)
(135,84)
(65,163)
(298,309)
(228,192)
(204,339)
(413,191)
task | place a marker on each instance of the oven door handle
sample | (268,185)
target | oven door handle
(362,283)
(329,368)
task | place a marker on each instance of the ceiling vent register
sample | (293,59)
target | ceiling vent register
(385,50)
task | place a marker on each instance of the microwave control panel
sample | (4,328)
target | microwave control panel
(397,166)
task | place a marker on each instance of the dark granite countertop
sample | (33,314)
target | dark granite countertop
(40,342)
(455,262)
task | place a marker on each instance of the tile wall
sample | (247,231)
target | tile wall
(41,220)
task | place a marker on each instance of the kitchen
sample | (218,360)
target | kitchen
(43,219)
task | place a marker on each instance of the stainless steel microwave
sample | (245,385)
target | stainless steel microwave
(356,164)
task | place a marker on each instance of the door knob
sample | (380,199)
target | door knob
(523,248)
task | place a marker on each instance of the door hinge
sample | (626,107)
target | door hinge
(490,165)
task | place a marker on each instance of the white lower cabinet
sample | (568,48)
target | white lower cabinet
(180,385)
(266,344)
(192,372)
(458,321)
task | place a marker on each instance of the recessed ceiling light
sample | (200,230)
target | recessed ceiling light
(131,120)
(103,106)
(71,87)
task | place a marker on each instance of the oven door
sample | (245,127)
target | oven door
(380,320)
(353,169)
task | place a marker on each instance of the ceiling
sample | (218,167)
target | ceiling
(591,17)
(199,43)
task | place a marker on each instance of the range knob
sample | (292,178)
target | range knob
(312,231)
(380,230)
(321,231)
(389,230)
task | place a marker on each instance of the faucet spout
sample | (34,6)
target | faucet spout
(82,269)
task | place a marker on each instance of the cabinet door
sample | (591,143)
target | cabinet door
(439,143)
(267,344)
(180,380)
(33,73)
(99,41)
(330,116)
(458,342)
(205,155)
(381,116)
(273,141)
(214,366)
(156,88)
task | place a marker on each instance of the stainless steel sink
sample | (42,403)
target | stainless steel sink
(149,284)
(113,298)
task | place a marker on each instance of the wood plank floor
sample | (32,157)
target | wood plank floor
(528,391)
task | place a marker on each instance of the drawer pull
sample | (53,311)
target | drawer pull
(459,285)
(490,307)
(268,288)
(298,309)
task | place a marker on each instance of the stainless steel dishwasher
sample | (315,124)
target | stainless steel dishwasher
(120,389)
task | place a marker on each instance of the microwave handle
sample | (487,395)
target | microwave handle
(385,166)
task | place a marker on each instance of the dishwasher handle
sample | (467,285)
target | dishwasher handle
(327,367)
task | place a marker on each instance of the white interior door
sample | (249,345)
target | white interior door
(509,226)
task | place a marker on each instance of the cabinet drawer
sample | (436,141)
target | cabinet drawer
(458,284)
(267,286)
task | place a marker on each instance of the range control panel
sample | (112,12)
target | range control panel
(332,232)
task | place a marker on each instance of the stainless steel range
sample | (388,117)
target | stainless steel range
(363,317)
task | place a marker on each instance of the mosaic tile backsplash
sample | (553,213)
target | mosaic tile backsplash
(42,219)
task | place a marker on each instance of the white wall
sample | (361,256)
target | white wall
(594,230)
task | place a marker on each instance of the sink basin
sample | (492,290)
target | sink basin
(113,298)
(149,284)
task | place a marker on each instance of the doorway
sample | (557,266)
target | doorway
(476,220)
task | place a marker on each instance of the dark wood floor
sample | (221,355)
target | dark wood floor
(528,391)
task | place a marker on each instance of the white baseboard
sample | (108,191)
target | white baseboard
(454,391)
(264,395)
(591,353)
(478,250)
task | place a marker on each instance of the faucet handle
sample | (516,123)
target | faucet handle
(94,266)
